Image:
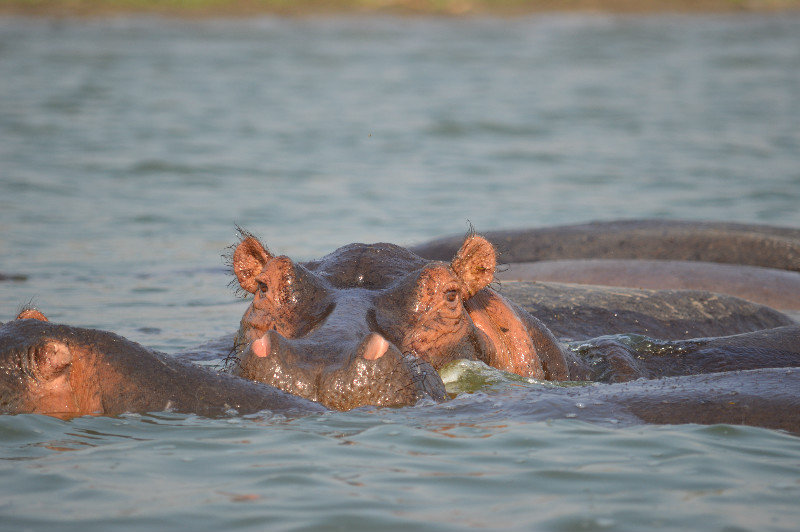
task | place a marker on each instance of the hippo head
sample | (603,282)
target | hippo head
(363,309)
(35,370)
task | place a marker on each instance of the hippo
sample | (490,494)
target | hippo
(306,319)
(772,287)
(574,312)
(760,263)
(69,371)
(760,397)
(65,371)
(369,324)
(674,240)
(371,301)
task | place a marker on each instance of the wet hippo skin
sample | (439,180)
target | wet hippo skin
(579,312)
(761,397)
(69,371)
(372,300)
(722,242)
(779,289)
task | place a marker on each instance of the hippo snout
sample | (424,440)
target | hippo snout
(370,371)
(372,347)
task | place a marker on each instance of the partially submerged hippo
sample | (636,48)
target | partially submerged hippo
(370,302)
(68,371)
(580,312)
(760,397)
(760,263)
(367,324)
(779,289)
(675,240)
(12,277)
(378,300)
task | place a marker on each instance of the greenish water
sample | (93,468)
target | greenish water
(129,148)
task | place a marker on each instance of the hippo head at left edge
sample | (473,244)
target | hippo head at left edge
(369,323)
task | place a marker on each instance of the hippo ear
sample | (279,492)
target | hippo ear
(31,314)
(249,259)
(52,358)
(474,264)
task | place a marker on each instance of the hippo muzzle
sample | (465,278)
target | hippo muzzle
(340,362)
(373,373)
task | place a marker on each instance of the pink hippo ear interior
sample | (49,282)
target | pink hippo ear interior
(474,264)
(249,260)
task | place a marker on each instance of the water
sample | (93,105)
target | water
(129,148)
(390,470)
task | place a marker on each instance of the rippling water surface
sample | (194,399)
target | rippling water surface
(129,148)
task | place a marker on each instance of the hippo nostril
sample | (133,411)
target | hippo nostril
(262,346)
(375,346)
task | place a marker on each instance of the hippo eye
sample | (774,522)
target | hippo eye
(451,296)
(262,287)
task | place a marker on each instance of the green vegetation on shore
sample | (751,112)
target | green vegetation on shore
(303,7)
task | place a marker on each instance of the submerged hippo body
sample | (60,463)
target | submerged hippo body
(674,240)
(761,397)
(579,312)
(779,289)
(756,262)
(12,277)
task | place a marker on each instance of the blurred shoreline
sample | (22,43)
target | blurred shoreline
(247,8)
